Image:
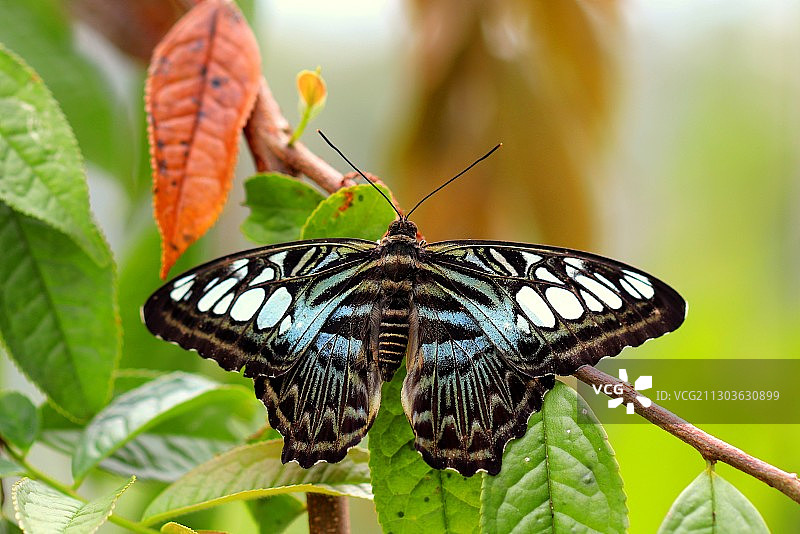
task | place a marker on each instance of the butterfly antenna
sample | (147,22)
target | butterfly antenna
(429,195)
(364,176)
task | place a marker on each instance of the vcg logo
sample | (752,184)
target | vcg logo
(615,390)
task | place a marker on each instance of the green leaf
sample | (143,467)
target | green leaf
(358,211)
(167,451)
(10,469)
(19,419)
(712,504)
(255,471)
(561,476)
(86,96)
(143,408)
(279,206)
(40,508)
(409,493)
(176,528)
(163,457)
(274,514)
(40,164)
(7,527)
(58,314)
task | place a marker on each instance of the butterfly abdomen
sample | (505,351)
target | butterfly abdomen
(399,265)
(394,326)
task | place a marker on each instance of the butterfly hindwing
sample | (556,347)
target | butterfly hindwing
(462,399)
(296,318)
(326,401)
(551,310)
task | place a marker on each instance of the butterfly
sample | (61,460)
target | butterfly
(484,327)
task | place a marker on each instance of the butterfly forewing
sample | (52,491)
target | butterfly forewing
(296,318)
(551,310)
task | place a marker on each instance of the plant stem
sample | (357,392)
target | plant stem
(34,473)
(133,526)
(38,475)
(327,514)
(301,127)
(711,448)
(268,135)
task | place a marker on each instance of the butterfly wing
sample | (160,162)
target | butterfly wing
(296,317)
(551,310)
(496,320)
(462,399)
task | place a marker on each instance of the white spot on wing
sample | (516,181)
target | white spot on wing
(605,280)
(223,305)
(185,280)
(602,292)
(274,308)
(638,276)
(591,302)
(565,302)
(523,325)
(247,304)
(640,283)
(181,287)
(530,259)
(211,284)
(264,276)
(333,255)
(214,294)
(542,273)
(238,264)
(286,324)
(179,292)
(535,308)
(575,262)
(503,261)
(629,288)
(278,258)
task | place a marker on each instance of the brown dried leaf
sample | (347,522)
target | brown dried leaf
(201,87)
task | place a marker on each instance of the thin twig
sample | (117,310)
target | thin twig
(710,447)
(268,133)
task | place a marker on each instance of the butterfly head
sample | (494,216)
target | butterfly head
(402,226)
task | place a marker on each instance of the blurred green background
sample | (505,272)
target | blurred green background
(662,133)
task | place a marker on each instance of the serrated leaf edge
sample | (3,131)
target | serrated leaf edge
(18,512)
(249,494)
(101,259)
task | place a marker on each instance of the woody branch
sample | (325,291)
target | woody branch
(710,447)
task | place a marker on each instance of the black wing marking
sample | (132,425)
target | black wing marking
(462,399)
(296,317)
(327,400)
(551,310)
